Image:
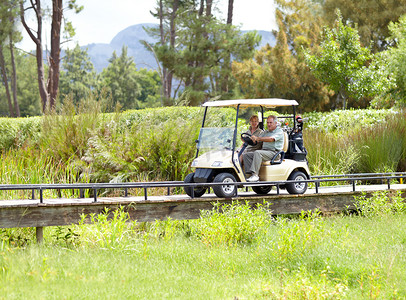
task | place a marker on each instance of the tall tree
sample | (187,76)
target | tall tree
(8,13)
(372,18)
(78,76)
(397,61)
(343,63)
(122,79)
(48,88)
(166,11)
(280,71)
(199,56)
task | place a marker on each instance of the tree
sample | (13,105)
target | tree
(371,16)
(48,88)
(342,63)
(129,87)
(397,60)
(8,13)
(121,78)
(198,57)
(150,84)
(166,12)
(78,76)
(27,86)
(280,71)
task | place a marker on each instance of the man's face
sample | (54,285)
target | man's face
(270,122)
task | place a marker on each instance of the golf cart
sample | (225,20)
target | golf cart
(219,161)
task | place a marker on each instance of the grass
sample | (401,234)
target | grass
(308,257)
(87,145)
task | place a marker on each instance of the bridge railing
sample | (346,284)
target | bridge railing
(145,186)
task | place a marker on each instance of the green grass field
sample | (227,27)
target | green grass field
(241,254)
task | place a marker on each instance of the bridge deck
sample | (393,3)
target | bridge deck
(58,212)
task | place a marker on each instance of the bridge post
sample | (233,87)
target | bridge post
(39,231)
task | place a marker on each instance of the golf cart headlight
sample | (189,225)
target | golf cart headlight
(194,163)
(217,164)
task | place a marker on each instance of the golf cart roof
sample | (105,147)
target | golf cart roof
(270,103)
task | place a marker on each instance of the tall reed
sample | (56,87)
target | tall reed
(382,146)
(330,154)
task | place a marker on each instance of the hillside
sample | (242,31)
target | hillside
(131,36)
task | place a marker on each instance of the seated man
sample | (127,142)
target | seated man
(272,143)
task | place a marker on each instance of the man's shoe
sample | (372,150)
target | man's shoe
(253,178)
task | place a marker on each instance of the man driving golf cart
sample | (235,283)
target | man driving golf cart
(217,160)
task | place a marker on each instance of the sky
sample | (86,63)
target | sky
(101,20)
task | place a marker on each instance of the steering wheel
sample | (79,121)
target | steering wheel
(247,139)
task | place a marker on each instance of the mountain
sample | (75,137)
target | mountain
(131,36)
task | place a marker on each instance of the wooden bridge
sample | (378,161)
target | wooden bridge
(41,212)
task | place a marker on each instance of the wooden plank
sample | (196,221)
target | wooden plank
(59,213)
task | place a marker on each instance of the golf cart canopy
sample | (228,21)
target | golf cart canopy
(269,103)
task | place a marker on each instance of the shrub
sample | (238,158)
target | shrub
(19,131)
(380,203)
(232,224)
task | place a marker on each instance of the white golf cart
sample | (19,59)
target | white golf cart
(219,162)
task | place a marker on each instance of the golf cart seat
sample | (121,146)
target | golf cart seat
(279,156)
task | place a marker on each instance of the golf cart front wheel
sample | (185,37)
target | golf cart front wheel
(226,190)
(197,192)
(297,187)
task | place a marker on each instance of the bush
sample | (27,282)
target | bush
(380,203)
(19,131)
(232,224)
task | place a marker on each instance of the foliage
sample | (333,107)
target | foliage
(342,64)
(78,76)
(397,59)
(108,230)
(371,16)
(331,154)
(128,86)
(232,224)
(159,144)
(27,86)
(65,135)
(380,151)
(296,237)
(280,71)
(341,121)
(16,132)
(198,50)
(304,257)
(356,142)
(380,204)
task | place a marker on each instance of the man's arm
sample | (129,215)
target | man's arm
(266,139)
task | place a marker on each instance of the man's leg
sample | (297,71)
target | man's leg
(258,158)
(247,158)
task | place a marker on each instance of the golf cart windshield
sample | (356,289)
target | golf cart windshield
(216,138)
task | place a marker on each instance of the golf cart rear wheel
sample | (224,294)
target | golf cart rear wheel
(227,190)
(262,190)
(298,187)
(197,192)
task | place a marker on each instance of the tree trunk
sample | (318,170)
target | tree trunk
(14,77)
(227,59)
(201,9)
(208,7)
(165,76)
(5,81)
(39,56)
(54,58)
(172,43)
(230,12)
